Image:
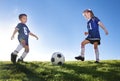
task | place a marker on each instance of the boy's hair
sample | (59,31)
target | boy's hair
(21,15)
(90,11)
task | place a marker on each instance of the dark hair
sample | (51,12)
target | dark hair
(90,11)
(21,15)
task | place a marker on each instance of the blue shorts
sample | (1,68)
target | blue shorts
(25,39)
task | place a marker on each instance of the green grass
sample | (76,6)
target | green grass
(71,71)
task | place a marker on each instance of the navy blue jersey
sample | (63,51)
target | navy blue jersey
(23,31)
(93,29)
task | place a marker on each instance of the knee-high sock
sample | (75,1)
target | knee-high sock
(23,55)
(19,47)
(82,51)
(97,54)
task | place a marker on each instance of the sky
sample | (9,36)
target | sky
(60,27)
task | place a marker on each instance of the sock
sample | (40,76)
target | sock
(23,55)
(82,51)
(97,54)
(19,47)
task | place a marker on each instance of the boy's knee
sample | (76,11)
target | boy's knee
(95,46)
(23,43)
(82,45)
(26,49)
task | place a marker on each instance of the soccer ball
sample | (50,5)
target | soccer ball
(57,58)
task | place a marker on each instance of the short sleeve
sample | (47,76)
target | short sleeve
(97,20)
(28,30)
(18,26)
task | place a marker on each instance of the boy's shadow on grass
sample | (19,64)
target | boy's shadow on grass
(110,75)
(46,75)
(29,72)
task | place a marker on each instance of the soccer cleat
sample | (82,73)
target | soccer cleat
(80,58)
(20,60)
(13,58)
(96,62)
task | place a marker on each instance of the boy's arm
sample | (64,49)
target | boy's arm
(103,27)
(33,35)
(86,33)
(15,31)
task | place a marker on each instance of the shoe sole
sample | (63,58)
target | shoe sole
(78,59)
(97,62)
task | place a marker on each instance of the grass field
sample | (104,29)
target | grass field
(108,70)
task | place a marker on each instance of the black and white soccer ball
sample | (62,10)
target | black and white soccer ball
(57,58)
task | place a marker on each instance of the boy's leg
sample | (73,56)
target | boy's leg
(26,46)
(24,53)
(81,57)
(14,54)
(96,51)
(83,47)
(19,47)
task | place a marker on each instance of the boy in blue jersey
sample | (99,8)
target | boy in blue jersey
(93,34)
(23,36)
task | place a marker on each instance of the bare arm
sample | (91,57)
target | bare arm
(103,27)
(15,31)
(86,33)
(33,35)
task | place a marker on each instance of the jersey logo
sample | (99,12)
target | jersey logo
(90,27)
(25,31)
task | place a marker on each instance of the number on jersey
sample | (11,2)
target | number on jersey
(25,31)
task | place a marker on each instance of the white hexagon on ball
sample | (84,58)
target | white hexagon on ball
(57,58)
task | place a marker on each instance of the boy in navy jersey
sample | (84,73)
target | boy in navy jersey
(23,36)
(93,34)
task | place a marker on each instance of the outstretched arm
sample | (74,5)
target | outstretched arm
(103,27)
(15,31)
(33,35)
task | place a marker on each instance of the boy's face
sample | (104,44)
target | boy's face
(87,15)
(23,19)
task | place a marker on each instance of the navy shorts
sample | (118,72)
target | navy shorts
(93,41)
(25,39)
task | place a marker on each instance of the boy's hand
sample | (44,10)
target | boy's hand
(15,31)
(86,33)
(12,37)
(37,38)
(106,32)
